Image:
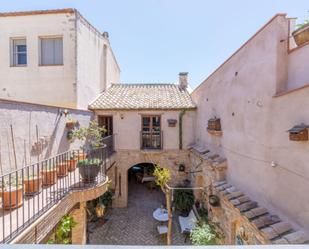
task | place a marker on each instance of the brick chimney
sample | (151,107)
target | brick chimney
(183,80)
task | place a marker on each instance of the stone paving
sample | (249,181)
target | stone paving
(135,224)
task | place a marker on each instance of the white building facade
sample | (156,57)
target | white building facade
(54,57)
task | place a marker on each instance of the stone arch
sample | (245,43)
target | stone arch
(127,159)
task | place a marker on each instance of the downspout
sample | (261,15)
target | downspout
(182,112)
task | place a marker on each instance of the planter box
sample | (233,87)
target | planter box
(214,124)
(32,185)
(301,35)
(12,199)
(49,177)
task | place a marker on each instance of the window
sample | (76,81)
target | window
(19,52)
(107,123)
(51,51)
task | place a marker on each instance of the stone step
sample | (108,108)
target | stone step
(266,220)
(255,212)
(240,200)
(277,229)
(298,237)
(234,195)
(247,206)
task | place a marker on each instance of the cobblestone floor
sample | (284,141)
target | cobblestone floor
(135,225)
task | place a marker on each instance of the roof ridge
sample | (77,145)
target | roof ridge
(37,12)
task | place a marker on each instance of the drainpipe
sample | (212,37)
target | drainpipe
(182,112)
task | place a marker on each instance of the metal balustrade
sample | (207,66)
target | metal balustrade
(29,192)
(152,140)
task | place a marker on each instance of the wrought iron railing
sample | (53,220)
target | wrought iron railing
(151,140)
(29,192)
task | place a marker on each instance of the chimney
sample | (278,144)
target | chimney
(183,80)
(105,35)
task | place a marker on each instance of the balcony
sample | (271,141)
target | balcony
(30,192)
(151,140)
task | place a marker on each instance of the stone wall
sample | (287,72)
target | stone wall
(242,220)
(127,158)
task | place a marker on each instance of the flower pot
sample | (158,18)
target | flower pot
(214,200)
(71,164)
(62,169)
(81,156)
(70,125)
(89,172)
(301,35)
(49,177)
(12,198)
(32,185)
(100,210)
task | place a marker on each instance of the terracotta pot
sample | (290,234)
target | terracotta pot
(49,177)
(301,35)
(12,199)
(71,164)
(70,125)
(32,185)
(62,169)
(81,156)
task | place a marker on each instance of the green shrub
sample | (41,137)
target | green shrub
(92,161)
(183,200)
(203,235)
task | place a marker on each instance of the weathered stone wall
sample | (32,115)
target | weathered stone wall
(167,159)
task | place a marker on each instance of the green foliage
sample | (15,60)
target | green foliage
(183,200)
(203,235)
(107,198)
(63,231)
(91,134)
(162,176)
(92,161)
(301,25)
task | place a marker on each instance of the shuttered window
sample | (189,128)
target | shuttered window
(51,51)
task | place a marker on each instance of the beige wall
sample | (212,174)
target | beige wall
(128,129)
(254,123)
(34,83)
(95,69)
(75,83)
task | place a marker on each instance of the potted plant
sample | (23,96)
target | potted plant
(70,124)
(104,202)
(183,200)
(92,135)
(11,193)
(49,176)
(32,184)
(89,169)
(62,169)
(301,34)
(72,163)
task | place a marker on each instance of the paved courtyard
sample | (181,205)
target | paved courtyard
(135,225)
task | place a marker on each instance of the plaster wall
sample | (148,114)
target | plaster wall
(255,124)
(96,69)
(51,128)
(128,128)
(33,83)
(298,68)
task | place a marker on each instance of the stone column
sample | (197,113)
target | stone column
(79,232)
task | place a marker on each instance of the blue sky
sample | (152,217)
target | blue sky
(154,40)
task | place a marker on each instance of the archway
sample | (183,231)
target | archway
(142,189)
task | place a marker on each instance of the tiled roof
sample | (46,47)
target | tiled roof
(143,96)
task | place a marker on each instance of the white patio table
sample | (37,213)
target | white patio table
(160,214)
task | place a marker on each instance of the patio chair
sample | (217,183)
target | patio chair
(187,224)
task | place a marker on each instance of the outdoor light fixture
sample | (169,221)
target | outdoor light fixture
(273,164)
(181,167)
(122,116)
(63,111)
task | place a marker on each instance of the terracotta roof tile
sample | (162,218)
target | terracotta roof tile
(143,96)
